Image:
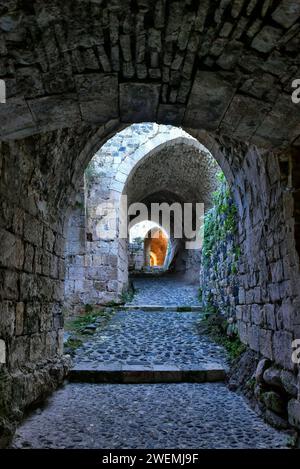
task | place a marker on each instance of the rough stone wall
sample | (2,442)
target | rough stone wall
(263,295)
(268,311)
(36,188)
(75,250)
(31,280)
(220,256)
(136,256)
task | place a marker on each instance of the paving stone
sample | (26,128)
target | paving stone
(164,291)
(165,416)
(170,338)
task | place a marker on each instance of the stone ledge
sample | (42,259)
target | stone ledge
(161,308)
(147,374)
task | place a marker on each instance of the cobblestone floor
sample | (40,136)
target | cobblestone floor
(166,290)
(146,416)
(151,338)
(182,415)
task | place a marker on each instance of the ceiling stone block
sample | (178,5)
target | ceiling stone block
(277,128)
(55,111)
(139,102)
(266,39)
(98,96)
(172,114)
(15,116)
(211,95)
(287,13)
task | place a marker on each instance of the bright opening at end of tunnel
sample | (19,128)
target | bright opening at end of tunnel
(149,241)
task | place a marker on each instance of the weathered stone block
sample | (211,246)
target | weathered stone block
(7,318)
(274,402)
(269,311)
(265,343)
(53,111)
(11,250)
(272,377)
(289,382)
(37,347)
(263,364)
(49,239)
(171,114)
(19,326)
(266,39)
(257,315)
(139,102)
(287,12)
(9,285)
(29,257)
(294,413)
(19,352)
(33,231)
(282,349)
(2,352)
(16,119)
(243,332)
(32,318)
(253,337)
(210,96)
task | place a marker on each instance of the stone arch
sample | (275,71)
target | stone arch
(110,173)
(155,246)
(33,215)
(63,82)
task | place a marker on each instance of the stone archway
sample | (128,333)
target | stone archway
(223,72)
(103,274)
(32,258)
(155,248)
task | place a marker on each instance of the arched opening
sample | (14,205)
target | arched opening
(155,248)
(148,164)
(148,247)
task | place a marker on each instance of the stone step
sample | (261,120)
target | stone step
(161,308)
(211,372)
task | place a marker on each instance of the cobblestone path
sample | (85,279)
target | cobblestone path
(150,338)
(166,290)
(167,416)
(160,415)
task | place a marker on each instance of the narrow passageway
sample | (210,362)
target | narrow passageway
(134,411)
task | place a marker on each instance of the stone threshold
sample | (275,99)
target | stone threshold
(161,308)
(147,374)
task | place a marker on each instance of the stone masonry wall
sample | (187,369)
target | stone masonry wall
(262,294)
(38,177)
(136,256)
(220,256)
